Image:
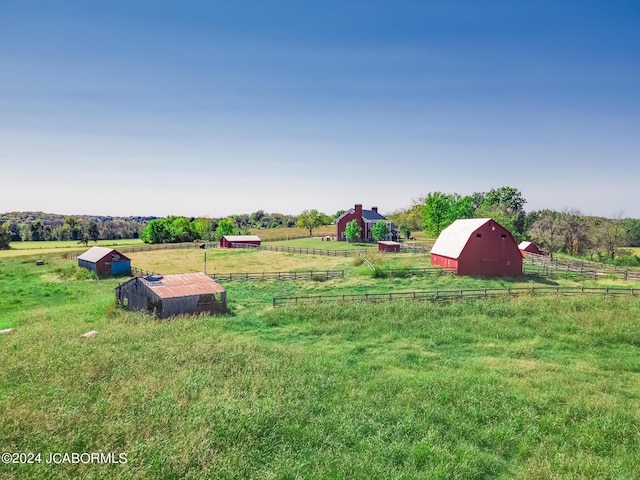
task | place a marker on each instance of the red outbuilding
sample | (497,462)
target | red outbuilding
(389,246)
(105,262)
(477,246)
(239,241)
(529,247)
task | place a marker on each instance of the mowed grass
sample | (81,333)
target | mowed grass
(284,232)
(226,260)
(43,248)
(532,388)
(318,244)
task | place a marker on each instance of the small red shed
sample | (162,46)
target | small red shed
(239,241)
(105,261)
(529,247)
(389,246)
(477,246)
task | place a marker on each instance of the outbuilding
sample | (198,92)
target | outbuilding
(171,295)
(105,262)
(389,246)
(477,246)
(239,241)
(529,247)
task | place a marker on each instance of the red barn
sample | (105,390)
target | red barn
(529,247)
(105,261)
(239,241)
(389,246)
(477,246)
(366,219)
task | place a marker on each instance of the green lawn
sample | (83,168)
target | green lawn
(43,248)
(318,243)
(530,388)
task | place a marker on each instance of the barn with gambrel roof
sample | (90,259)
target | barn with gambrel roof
(477,246)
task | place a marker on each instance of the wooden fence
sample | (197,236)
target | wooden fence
(149,248)
(302,275)
(576,268)
(462,294)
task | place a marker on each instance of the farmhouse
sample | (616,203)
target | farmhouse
(366,219)
(529,247)
(105,261)
(239,241)
(388,246)
(477,246)
(170,295)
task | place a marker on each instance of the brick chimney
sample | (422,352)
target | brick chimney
(358,215)
(375,209)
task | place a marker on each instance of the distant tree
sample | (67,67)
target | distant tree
(203,228)
(92,230)
(37,231)
(409,219)
(405,231)
(380,230)
(548,231)
(352,231)
(226,226)
(62,233)
(311,219)
(338,213)
(506,206)
(180,230)
(611,235)
(575,230)
(632,229)
(155,231)
(5,236)
(442,209)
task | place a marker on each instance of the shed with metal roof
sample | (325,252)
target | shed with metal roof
(529,247)
(477,246)
(171,295)
(239,241)
(388,246)
(105,262)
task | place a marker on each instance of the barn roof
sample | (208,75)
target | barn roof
(95,254)
(389,242)
(241,238)
(181,285)
(453,239)
(524,244)
(367,215)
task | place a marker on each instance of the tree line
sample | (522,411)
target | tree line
(568,231)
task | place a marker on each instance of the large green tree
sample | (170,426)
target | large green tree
(226,226)
(442,209)
(352,231)
(505,206)
(310,219)
(380,230)
(548,231)
(5,236)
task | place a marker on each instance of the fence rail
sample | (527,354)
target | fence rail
(462,294)
(302,275)
(149,248)
(583,269)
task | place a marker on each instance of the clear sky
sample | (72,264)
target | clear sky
(132,107)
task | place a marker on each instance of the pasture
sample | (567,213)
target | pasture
(21,249)
(527,388)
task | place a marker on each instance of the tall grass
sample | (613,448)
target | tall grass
(523,388)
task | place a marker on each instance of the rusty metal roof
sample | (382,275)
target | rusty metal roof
(181,285)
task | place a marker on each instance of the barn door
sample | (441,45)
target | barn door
(489,268)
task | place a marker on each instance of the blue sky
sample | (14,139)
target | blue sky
(212,108)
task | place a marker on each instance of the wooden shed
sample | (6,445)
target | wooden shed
(389,246)
(171,295)
(529,247)
(105,262)
(477,246)
(239,241)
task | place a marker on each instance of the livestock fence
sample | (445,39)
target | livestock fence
(306,251)
(149,248)
(548,267)
(301,275)
(450,295)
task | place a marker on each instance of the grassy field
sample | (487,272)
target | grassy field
(21,249)
(318,243)
(270,233)
(530,388)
